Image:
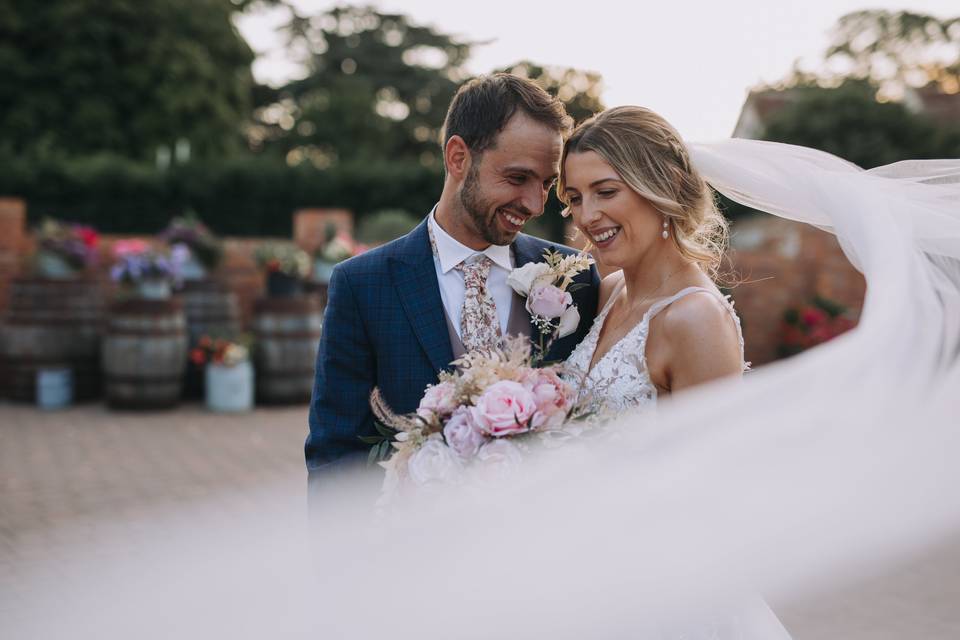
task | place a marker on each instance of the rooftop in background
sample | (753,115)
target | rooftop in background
(761,105)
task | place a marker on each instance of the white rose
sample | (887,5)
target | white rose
(568,322)
(499,457)
(433,463)
(521,279)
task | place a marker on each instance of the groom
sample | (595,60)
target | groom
(398,315)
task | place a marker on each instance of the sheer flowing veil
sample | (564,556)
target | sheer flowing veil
(804,474)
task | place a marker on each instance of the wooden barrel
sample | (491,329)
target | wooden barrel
(287,334)
(144,353)
(317,289)
(48,324)
(211,309)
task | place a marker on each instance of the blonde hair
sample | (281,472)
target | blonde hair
(649,155)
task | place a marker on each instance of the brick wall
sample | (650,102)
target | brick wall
(780,264)
(776,264)
(238,268)
(13,242)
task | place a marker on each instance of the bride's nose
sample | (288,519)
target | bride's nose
(589,213)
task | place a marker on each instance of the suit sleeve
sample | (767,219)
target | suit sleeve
(345,375)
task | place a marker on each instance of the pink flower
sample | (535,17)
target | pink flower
(548,301)
(437,400)
(812,316)
(462,434)
(553,397)
(504,409)
(130,247)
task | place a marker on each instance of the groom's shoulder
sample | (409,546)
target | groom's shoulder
(375,262)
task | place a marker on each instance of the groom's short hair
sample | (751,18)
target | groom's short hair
(482,107)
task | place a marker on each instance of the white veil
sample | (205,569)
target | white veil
(806,472)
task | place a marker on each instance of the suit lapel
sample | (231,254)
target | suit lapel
(415,278)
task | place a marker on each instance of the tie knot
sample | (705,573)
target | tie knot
(475,267)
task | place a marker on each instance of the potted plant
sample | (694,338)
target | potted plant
(337,247)
(286,266)
(193,247)
(228,374)
(64,250)
(810,324)
(143,271)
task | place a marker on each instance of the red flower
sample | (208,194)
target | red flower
(88,236)
(812,316)
(198,357)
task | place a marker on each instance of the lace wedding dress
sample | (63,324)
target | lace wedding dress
(620,382)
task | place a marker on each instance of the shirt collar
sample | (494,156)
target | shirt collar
(452,252)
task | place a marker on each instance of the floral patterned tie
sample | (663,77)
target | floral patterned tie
(479,323)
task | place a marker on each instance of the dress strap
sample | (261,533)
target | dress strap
(660,305)
(613,296)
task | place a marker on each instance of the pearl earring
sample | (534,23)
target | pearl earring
(665,234)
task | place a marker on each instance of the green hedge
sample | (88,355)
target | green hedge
(242,197)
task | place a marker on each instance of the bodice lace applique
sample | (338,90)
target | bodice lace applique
(619,380)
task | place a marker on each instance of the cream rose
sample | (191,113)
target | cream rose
(522,278)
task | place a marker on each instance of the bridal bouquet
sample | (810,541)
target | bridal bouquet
(482,414)
(495,404)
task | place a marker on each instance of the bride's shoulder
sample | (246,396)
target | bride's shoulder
(607,286)
(702,317)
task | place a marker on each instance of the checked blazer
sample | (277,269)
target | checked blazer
(385,326)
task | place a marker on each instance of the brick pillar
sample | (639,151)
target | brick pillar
(310,225)
(13,242)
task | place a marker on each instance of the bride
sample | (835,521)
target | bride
(663,325)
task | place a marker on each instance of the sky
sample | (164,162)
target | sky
(693,62)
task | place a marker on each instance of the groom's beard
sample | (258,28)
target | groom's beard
(481,211)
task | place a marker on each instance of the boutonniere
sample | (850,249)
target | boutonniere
(548,286)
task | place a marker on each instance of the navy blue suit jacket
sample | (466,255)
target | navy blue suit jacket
(385,327)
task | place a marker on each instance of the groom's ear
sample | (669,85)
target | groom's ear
(457,157)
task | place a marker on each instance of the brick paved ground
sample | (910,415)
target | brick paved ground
(74,477)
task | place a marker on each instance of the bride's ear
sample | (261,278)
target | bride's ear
(457,157)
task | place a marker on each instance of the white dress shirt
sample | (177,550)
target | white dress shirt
(450,253)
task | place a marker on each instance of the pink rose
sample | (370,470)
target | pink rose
(437,400)
(548,301)
(504,409)
(553,397)
(462,434)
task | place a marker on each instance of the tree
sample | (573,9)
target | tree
(849,122)
(80,77)
(851,105)
(377,89)
(893,50)
(578,90)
